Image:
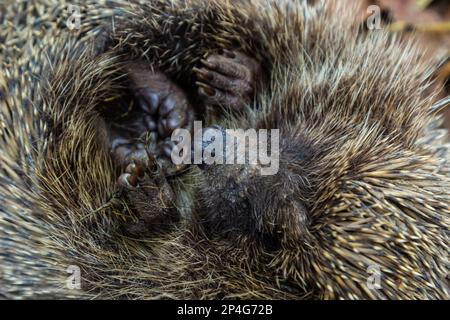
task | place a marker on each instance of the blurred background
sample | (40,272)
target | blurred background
(430,19)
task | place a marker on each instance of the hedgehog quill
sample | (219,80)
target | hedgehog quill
(87,184)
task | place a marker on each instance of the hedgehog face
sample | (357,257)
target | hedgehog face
(237,201)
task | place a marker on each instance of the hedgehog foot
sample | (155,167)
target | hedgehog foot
(150,197)
(163,102)
(228,79)
(161,107)
(140,145)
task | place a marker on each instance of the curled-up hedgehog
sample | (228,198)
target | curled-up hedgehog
(93,207)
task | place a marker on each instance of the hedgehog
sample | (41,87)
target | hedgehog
(92,207)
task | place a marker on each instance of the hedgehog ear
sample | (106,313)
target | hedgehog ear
(440,105)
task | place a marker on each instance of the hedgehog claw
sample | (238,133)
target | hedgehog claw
(135,169)
(205,90)
(203,74)
(208,64)
(229,54)
(127,181)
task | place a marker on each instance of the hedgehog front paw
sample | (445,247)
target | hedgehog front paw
(228,79)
